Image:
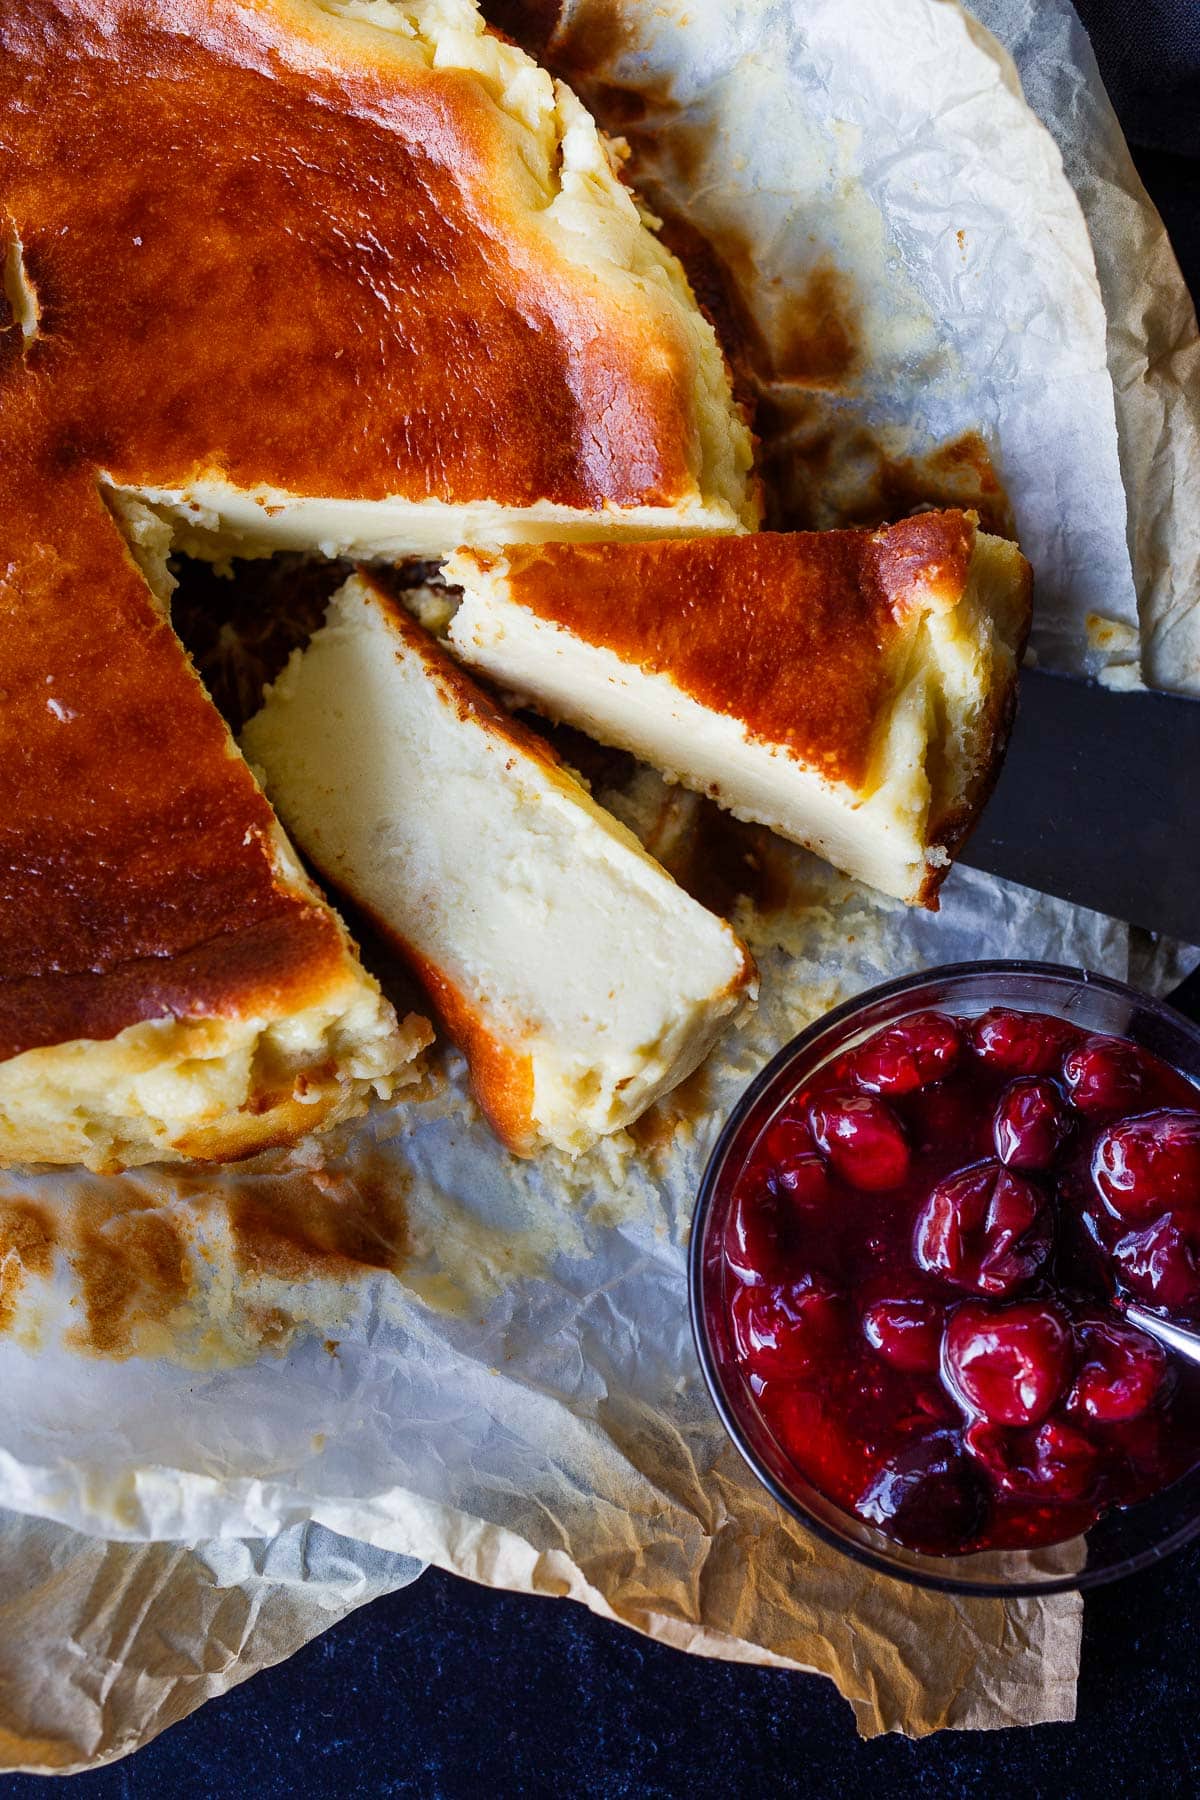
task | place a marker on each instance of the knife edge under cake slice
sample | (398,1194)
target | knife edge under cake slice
(850,689)
(580,981)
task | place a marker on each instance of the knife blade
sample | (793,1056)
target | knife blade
(1098,802)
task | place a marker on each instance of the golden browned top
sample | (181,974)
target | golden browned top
(272,251)
(136,868)
(788,632)
(501,1072)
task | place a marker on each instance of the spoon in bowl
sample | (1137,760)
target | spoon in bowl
(1183,1339)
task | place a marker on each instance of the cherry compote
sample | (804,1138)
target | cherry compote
(918,1256)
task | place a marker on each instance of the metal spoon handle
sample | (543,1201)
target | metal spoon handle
(1180,1338)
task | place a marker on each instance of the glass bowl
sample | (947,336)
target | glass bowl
(1125,1539)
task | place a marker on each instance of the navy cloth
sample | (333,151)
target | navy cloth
(1149,55)
(447,1690)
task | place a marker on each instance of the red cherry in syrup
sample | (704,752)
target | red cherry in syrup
(1104,1075)
(1007,1364)
(812,1432)
(1120,1373)
(783,1329)
(756,1243)
(1054,1462)
(905,1328)
(907,1056)
(1143,1441)
(983,1228)
(862,1138)
(1149,1164)
(798,1173)
(1064,1463)
(927,1494)
(1159,1264)
(1020,1043)
(1030,1126)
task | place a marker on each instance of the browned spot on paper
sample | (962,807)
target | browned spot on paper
(300,1227)
(529,23)
(596,38)
(26,1248)
(133,1259)
(964,467)
(721,300)
(816,344)
(807,461)
(268,1326)
(619,110)
(687,1104)
(808,336)
(722,858)
(133,1271)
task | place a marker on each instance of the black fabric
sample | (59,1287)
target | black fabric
(449,1691)
(1149,55)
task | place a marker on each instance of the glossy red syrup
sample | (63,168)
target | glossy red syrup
(917,1258)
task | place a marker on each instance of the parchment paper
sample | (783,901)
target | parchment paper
(106,1644)
(407,1338)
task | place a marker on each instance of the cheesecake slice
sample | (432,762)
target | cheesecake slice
(580,982)
(853,690)
(171,984)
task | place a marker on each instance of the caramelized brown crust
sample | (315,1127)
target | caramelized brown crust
(501,1075)
(269,251)
(137,875)
(787,632)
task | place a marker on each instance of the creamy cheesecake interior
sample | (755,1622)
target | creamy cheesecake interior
(851,690)
(579,980)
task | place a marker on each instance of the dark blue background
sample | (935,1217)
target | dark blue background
(450,1690)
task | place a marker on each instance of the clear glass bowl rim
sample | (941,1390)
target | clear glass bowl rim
(790,1052)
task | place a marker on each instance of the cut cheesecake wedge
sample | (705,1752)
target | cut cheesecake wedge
(579,980)
(852,690)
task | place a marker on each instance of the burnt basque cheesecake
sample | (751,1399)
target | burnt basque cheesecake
(346,278)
